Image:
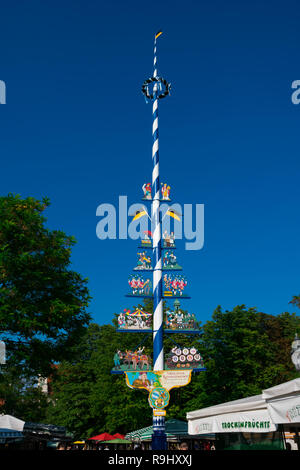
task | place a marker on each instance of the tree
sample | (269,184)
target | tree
(22,398)
(42,301)
(245,351)
(87,399)
(296,301)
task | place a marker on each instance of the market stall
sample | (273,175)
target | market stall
(239,424)
(283,403)
(176,431)
(22,434)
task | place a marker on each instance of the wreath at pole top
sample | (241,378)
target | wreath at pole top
(150,96)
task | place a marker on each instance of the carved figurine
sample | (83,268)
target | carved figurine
(147,191)
(139,285)
(169,240)
(165,192)
(174,284)
(144,261)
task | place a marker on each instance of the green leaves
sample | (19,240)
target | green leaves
(87,398)
(42,301)
(244,352)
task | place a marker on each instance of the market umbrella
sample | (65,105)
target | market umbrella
(117,441)
(136,434)
(102,437)
(118,436)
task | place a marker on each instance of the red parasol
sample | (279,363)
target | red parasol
(102,437)
(118,436)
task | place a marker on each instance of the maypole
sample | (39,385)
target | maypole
(174,369)
(159,436)
(158,361)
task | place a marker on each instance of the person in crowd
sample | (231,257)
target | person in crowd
(183,446)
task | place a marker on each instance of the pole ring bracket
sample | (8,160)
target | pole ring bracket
(150,96)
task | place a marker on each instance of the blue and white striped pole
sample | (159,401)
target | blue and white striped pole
(158,352)
(159,441)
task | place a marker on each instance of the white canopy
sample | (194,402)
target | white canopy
(9,422)
(286,389)
(245,415)
(283,402)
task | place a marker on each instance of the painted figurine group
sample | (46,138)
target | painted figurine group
(169,239)
(174,285)
(132,360)
(185,358)
(177,319)
(144,262)
(165,191)
(139,285)
(170,260)
(136,320)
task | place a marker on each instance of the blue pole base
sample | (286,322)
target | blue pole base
(159,441)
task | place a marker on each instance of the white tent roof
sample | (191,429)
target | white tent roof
(10,422)
(286,389)
(283,402)
(244,404)
(276,405)
(245,415)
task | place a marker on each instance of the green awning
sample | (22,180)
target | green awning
(137,434)
(174,429)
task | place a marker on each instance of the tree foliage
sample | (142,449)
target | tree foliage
(20,397)
(246,351)
(42,301)
(87,398)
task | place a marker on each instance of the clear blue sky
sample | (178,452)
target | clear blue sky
(76,129)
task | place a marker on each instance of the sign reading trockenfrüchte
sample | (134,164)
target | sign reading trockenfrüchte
(257,421)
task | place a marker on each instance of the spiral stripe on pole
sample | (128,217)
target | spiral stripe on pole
(158,359)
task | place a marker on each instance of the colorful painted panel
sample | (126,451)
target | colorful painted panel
(170,261)
(159,398)
(165,192)
(135,320)
(139,285)
(174,285)
(178,319)
(183,358)
(150,380)
(146,241)
(144,262)
(129,360)
(168,239)
(147,191)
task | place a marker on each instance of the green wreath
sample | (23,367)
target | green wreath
(146,83)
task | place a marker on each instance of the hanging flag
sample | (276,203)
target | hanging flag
(139,214)
(173,214)
(158,34)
